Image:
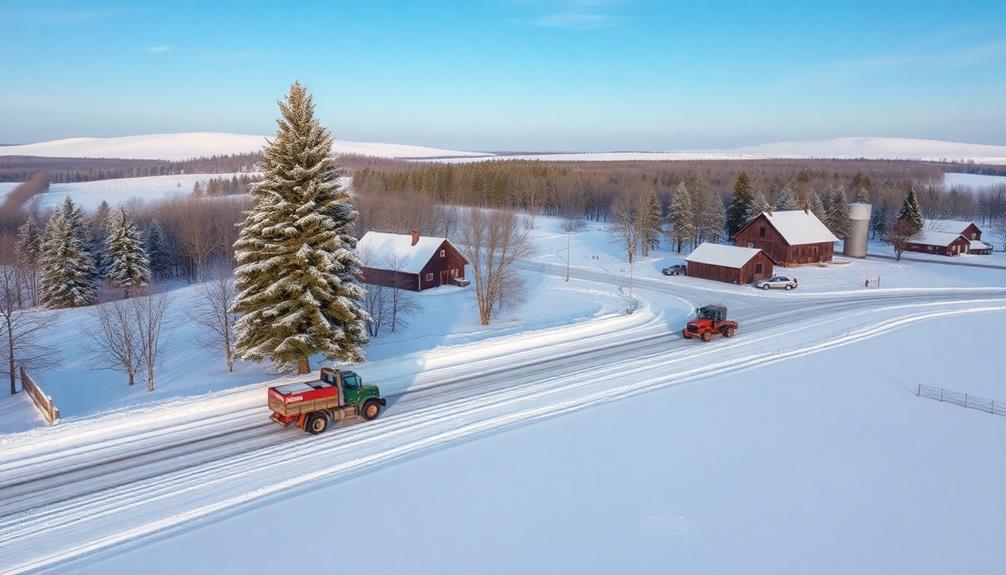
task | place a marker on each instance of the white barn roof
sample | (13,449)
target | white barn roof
(721,255)
(950,226)
(800,227)
(931,238)
(384,251)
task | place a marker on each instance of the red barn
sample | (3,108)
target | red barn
(790,238)
(939,243)
(409,261)
(969,230)
(728,263)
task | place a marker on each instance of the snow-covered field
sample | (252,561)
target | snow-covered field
(180,146)
(89,194)
(186,145)
(975,181)
(815,464)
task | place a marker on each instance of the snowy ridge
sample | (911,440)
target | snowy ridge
(187,145)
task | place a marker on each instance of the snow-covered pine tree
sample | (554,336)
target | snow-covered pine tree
(97,234)
(761,204)
(297,276)
(680,216)
(66,270)
(128,266)
(651,222)
(880,218)
(741,205)
(911,212)
(837,214)
(816,206)
(787,199)
(709,214)
(157,250)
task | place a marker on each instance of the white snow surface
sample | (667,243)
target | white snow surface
(187,145)
(382,250)
(976,181)
(799,227)
(121,190)
(722,255)
(951,226)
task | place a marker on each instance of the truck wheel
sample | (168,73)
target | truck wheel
(728,332)
(707,335)
(370,410)
(316,423)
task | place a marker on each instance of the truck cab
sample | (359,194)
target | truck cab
(709,320)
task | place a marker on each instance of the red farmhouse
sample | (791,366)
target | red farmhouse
(790,238)
(409,261)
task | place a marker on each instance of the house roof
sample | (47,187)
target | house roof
(721,255)
(931,238)
(978,245)
(952,226)
(800,227)
(384,251)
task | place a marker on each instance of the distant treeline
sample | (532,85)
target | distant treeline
(237,184)
(63,170)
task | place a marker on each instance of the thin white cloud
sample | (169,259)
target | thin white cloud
(575,20)
(160,49)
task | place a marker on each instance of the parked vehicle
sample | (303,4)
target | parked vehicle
(778,282)
(675,270)
(334,396)
(461,282)
(710,320)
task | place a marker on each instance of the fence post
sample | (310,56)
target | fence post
(941,394)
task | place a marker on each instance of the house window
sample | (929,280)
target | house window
(429,277)
(757,268)
(443,253)
(761,232)
(454,272)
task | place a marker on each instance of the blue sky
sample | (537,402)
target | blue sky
(510,74)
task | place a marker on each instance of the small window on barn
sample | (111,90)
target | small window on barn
(757,268)
(761,232)
(429,277)
(443,253)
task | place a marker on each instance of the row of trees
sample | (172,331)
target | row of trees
(214,187)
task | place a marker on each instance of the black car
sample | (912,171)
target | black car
(676,270)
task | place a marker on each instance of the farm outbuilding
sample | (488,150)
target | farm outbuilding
(409,261)
(730,264)
(939,243)
(789,238)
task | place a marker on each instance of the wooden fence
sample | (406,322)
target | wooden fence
(962,399)
(42,401)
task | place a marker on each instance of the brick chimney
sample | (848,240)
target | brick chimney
(415,237)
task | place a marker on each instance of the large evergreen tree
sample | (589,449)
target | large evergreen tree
(837,214)
(297,276)
(741,205)
(127,265)
(157,250)
(911,212)
(787,199)
(816,206)
(97,235)
(67,277)
(681,216)
(709,214)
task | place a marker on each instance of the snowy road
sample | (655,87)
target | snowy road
(90,487)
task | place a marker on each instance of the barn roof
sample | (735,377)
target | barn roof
(384,251)
(952,226)
(721,255)
(979,245)
(800,227)
(931,238)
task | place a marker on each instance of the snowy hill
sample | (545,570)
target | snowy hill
(878,148)
(187,145)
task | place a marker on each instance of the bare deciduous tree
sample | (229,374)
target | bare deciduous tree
(213,312)
(624,213)
(492,243)
(899,233)
(113,339)
(20,329)
(149,317)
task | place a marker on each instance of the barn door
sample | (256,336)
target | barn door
(444,277)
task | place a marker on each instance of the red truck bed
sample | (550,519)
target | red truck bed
(289,401)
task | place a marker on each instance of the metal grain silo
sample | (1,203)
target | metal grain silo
(859,230)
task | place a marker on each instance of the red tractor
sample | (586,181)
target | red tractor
(710,320)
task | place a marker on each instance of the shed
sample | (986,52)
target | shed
(939,243)
(730,264)
(409,261)
(789,237)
